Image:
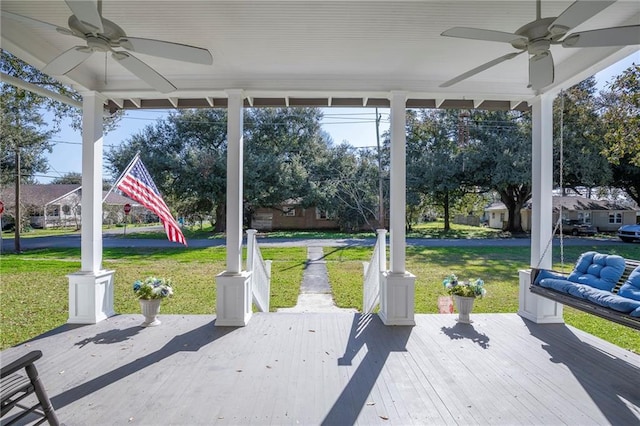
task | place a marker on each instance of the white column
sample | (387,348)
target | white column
(398,182)
(234,303)
(234,180)
(542,181)
(531,306)
(397,287)
(91,289)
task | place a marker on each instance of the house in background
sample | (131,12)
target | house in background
(604,215)
(291,215)
(58,205)
(497,215)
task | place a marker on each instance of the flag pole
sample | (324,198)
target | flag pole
(126,170)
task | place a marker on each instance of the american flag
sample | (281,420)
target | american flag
(138,185)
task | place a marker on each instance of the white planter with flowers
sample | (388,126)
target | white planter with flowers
(150,293)
(464,294)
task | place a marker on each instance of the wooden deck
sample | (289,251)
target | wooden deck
(335,369)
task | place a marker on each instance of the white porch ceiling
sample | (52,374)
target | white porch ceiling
(321,53)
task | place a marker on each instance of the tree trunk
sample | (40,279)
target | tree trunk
(514,199)
(447,225)
(220,218)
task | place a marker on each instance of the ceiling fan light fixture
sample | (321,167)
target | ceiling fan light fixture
(539,47)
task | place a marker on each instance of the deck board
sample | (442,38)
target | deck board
(335,368)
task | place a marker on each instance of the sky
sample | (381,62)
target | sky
(357,126)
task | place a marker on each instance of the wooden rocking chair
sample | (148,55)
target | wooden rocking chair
(15,387)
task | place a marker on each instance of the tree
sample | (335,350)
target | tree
(579,126)
(71,177)
(621,103)
(283,146)
(346,185)
(185,153)
(622,117)
(498,157)
(24,134)
(434,164)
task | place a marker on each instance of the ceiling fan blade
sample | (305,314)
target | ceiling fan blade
(480,34)
(541,70)
(480,68)
(576,14)
(616,36)
(87,12)
(37,23)
(166,49)
(67,61)
(144,72)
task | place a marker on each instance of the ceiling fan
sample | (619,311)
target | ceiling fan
(537,36)
(102,35)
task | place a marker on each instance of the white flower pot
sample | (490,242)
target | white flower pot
(464,306)
(150,310)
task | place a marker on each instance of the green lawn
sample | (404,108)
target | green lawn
(497,266)
(34,286)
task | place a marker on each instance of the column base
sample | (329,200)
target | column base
(397,299)
(90,297)
(234,306)
(535,308)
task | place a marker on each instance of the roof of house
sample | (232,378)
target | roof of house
(38,195)
(42,194)
(576,203)
(498,205)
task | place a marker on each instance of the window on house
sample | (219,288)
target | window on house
(321,214)
(615,217)
(289,211)
(66,209)
(493,215)
(501,217)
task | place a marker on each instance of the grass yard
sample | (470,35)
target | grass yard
(497,266)
(34,286)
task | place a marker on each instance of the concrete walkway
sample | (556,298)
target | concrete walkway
(315,290)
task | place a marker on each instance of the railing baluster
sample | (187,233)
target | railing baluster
(260,273)
(372,272)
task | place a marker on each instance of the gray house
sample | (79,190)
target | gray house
(58,205)
(604,215)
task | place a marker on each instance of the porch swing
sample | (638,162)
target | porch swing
(575,289)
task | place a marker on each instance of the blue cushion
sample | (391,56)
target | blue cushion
(598,270)
(613,301)
(631,287)
(544,273)
(636,313)
(563,286)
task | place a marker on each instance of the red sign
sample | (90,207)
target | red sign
(1,207)
(127,208)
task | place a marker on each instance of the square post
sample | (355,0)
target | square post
(234,302)
(532,306)
(91,289)
(397,286)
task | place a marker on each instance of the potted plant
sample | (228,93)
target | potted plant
(150,293)
(464,293)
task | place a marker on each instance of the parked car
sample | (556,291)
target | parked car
(575,228)
(629,233)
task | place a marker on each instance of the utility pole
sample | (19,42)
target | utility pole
(380,179)
(18,213)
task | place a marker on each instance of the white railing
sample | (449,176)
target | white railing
(260,273)
(372,272)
